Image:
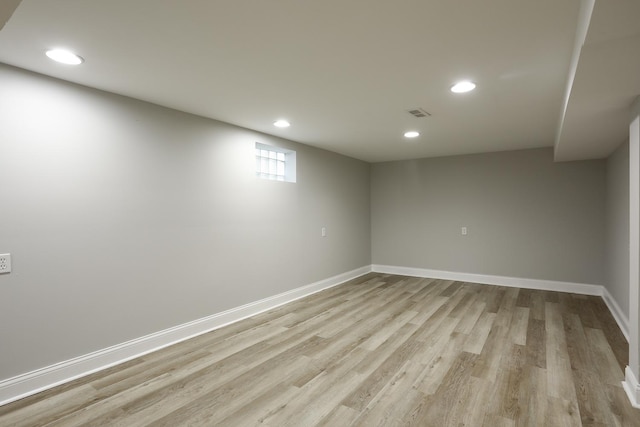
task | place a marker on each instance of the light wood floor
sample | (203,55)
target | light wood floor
(379,350)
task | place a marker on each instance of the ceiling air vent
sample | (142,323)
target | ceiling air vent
(419,112)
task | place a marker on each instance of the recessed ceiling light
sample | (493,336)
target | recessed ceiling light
(411,134)
(64,56)
(462,87)
(281,124)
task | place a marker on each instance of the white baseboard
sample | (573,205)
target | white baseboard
(632,387)
(45,378)
(616,311)
(518,282)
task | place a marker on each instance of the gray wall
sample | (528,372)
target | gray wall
(526,215)
(617,227)
(124,218)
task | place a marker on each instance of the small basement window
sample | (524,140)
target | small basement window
(275,163)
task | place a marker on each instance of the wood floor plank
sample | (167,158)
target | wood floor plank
(588,316)
(494,298)
(319,397)
(104,410)
(480,332)
(507,307)
(453,393)
(615,337)
(256,411)
(562,412)
(603,357)
(491,420)
(476,406)
(506,401)
(431,289)
(524,298)
(379,350)
(378,376)
(519,326)
(438,363)
(559,379)
(341,415)
(577,346)
(139,375)
(550,296)
(496,345)
(48,410)
(392,324)
(428,309)
(470,318)
(451,289)
(537,305)
(34,401)
(221,402)
(463,305)
(536,343)
(592,401)
(534,393)
(383,409)
(623,413)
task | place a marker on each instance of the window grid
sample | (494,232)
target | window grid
(270,164)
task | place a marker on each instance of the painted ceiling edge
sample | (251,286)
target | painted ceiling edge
(7,7)
(584,19)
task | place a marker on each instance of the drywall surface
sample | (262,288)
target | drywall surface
(124,218)
(617,227)
(526,216)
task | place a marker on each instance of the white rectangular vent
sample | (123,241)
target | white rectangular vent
(419,112)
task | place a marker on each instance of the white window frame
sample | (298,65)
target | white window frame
(275,163)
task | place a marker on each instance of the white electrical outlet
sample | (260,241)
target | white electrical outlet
(323,231)
(463,230)
(5,263)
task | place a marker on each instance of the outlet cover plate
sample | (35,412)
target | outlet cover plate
(5,263)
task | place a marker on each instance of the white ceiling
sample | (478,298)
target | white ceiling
(346,72)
